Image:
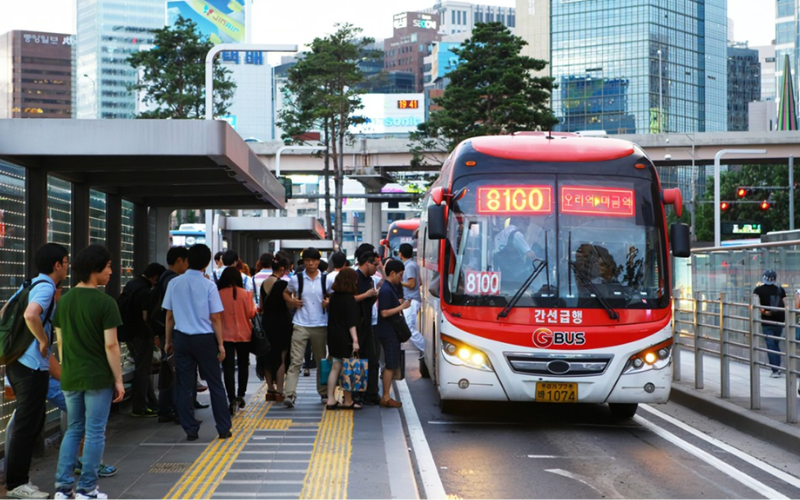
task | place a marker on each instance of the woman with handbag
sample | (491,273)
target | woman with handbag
(277,322)
(389,311)
(343,318)
(237,330)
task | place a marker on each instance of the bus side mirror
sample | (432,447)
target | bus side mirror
(679,240)
(437,226)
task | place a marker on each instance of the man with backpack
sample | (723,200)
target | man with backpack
(307,293)
(177,264)
(134,303)
(27,325)
(772,295)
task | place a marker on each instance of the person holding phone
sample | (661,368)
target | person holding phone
(86,322)
(388,305)
(194,334)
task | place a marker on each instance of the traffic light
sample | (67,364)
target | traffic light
(741,192)
(764,205)
(724,206)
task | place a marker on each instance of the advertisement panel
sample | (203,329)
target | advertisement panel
(390,113)
(223,21)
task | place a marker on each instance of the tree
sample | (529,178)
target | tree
(173,74)
(491,91)
(324,89)
(776,218)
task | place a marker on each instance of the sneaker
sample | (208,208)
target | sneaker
(90,494)
(63,494)
(27,491)
(103,470)
(147,413)
(775,375)
(289,401)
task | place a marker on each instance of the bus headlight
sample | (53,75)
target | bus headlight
(652,358)
(458,353)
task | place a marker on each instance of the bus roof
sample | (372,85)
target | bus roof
(555,147)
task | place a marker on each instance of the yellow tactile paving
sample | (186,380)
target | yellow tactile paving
(328,469)
(330,460)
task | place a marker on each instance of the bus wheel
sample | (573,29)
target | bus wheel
(623,410)
(423,369)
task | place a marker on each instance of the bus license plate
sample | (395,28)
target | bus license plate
(556,392)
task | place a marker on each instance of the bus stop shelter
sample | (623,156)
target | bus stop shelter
(83,174)
(252,236)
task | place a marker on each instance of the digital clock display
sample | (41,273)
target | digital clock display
(408,104)
(600,201)
(515,200)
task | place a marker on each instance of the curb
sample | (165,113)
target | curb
(748,421)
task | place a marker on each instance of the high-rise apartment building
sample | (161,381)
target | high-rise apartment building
(624,66)
(108,32)
(460,17)
(744,85)
(36,75)
(412,40)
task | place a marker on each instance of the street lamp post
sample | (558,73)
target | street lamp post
(717,158)
(94,94)
(660,96)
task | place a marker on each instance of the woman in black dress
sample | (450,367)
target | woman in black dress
(278,326)
(343,317)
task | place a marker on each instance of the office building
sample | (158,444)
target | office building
(787,33)
(108,32)
(36,75)
(766,58)
(460,17)
(412,39)
(744,85)
(631,67)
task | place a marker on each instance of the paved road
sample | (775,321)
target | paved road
(563,451)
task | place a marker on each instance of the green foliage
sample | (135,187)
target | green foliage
(763,176)
(491,91)
(173,74)
(324,92)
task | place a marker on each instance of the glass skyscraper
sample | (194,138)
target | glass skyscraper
(108,32)
(787,38)
(632,66)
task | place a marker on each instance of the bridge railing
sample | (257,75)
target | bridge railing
(730,333)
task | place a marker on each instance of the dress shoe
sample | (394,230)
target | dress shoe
(225,435)
(199,406)
(390,403)
(192,437)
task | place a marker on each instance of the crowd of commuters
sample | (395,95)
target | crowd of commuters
(195,324)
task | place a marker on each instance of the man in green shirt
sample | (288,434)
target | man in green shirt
(86,324)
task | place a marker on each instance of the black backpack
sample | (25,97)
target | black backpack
(125,332)
(15,336)
(300,281)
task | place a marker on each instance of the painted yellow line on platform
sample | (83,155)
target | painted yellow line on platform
(216,459)
(330,460)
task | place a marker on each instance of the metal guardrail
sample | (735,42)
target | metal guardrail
(729,330)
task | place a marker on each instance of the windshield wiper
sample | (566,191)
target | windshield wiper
(586,281)
(538,265)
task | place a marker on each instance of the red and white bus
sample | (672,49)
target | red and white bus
(546,273)
(400,231)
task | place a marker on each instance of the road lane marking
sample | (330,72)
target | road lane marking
(431,482)
(566,473)
(769,469)
(733,472)
(582,457)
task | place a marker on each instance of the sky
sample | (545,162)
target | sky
(278,21)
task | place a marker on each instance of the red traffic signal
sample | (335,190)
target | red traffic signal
(741,192)
(764,205)
(724,206)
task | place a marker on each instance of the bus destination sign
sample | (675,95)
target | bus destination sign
(585,200)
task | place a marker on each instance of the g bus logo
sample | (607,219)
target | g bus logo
(544,338)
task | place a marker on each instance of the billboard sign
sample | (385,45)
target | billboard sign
(390,113)
(223,21)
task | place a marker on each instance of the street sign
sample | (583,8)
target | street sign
(742,228)
(287,187)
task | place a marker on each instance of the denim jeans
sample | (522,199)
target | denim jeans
(87,413)
(773,345)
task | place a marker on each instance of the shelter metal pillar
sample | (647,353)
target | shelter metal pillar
(141,237)
(158,221)
(79,225)
(35,216)
(114,240)
(373,219)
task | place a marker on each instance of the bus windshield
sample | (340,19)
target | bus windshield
(592,236)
